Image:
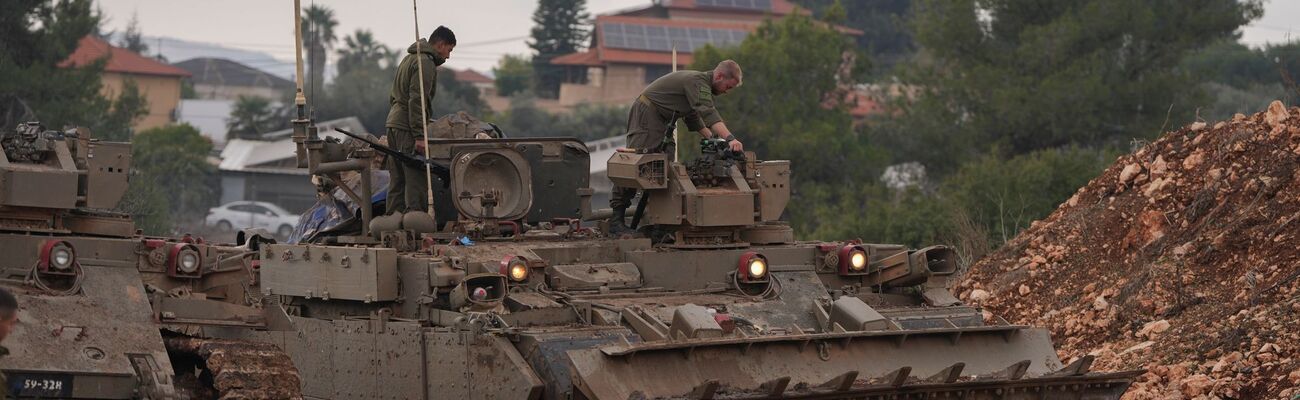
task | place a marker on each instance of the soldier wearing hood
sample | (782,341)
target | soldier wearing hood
(407,188)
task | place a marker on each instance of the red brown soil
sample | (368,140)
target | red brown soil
(1181,258)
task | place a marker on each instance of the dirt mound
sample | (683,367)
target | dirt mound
(1181,258)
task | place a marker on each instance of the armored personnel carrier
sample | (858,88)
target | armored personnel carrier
(515,295)
(104,311)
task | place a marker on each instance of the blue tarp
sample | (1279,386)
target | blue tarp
(337,214)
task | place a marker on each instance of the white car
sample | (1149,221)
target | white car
(252,214)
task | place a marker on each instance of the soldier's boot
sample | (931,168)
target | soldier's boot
(617,224)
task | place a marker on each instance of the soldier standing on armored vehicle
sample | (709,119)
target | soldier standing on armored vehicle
(413,89)
(682,94)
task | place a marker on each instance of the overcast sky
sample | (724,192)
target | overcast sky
(485,29)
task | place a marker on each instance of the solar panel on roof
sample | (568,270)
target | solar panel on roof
(743,4)
(662,38)
(615,40)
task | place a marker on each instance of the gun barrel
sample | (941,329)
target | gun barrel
(438,169)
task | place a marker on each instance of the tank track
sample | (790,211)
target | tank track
(241,369)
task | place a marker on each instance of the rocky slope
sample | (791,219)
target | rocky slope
(1181,258)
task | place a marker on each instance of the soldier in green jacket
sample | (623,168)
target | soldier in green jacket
(683,94)
(407,188)
(8,318)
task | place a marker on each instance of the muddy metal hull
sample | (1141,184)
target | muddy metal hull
(392,359)
(96,345)
(994,361)
(107,335)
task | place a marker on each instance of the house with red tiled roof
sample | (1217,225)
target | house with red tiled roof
(485,84)
(631,48)
(158,82)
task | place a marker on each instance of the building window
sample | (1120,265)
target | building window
(653,72)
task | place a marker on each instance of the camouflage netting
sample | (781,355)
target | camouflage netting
(1180,258)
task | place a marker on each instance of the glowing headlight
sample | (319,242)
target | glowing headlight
(857,260)
(752,268)
(757,268)
(518,272)
(853,259)
(189,261)
(515,267)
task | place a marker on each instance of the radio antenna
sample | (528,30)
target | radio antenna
(424,112)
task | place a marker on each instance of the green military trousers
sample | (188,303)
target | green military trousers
(407,185)
(647,129)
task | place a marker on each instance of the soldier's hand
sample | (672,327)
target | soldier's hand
(736,146)
(419,146)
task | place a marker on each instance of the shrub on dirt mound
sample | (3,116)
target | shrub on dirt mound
(1181,258)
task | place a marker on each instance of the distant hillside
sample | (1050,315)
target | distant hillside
(276,59)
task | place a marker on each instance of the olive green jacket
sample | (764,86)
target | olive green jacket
(689,94)
(404,111)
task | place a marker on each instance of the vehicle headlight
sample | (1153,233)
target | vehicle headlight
(186,261)
(853,259)
(61,257)
(757,268)
(515,267)
(857,260)
(189,262)
(753,267)
(58,256)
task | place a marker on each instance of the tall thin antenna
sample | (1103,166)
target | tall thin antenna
(299,99)
(315,75)
(424,112)
(676,147)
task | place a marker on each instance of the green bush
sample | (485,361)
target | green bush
(171,172)
(1004,195)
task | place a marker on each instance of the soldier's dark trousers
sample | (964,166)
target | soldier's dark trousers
(407,185)
(646,127)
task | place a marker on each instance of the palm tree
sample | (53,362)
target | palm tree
(252,116)
(360,50)
(318,35)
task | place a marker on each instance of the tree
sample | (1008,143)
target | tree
(361,51)
(1028,75)
(38,35)
(586,122)
(174,158)
(514,74)
(559,28)
(115,123)
(1011,105)
(132,39)
(1240,79)
(366,70)
(318,37)
(252,116)
(885,34)
(454,95)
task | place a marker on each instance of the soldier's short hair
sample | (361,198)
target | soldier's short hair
(8,305)
(729,69)
(442,34)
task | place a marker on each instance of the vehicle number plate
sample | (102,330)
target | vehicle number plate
(40,385)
